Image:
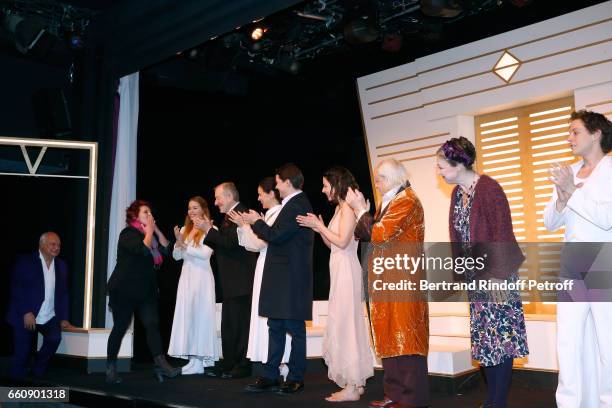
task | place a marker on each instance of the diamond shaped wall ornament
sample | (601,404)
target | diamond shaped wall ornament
(507,66)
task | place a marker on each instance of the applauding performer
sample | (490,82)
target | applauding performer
(400,329)
(194,333)
(346,343)
(236,269)
(286,286)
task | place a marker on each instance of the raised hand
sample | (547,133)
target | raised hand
(251,217)
(356,200)
(310,221)
(177,233)
(563,177)
(203,224)
(236,218)
(149,226)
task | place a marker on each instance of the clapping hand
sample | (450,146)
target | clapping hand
(251,217)
(236,218)
(179,238)
(563,177)
(310,221)
(204,224)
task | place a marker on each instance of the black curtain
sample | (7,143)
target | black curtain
(125,39)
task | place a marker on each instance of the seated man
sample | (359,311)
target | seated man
(39,302)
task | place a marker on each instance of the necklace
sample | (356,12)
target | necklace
(466,194)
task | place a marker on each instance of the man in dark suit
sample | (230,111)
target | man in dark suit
(286,287)
(236,267)
(39,302)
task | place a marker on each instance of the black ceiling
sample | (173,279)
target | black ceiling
(221,64)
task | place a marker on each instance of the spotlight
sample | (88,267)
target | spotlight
(360,31)
(258,33)
(26,33)
(193,53)
(392,42)
(288,64)
(76,41)
(441,8)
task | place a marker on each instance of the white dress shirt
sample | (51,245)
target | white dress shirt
(289,197)
(587,217)
(47,309)
(386,199)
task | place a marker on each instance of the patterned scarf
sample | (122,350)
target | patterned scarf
(157,256)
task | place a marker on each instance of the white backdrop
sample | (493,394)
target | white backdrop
(124,176)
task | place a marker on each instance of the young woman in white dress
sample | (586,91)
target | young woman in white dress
(194,335)
(269,198)
(346,342)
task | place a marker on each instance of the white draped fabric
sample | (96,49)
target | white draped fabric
(124,175)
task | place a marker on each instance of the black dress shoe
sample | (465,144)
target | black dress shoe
(212,372)
(262,384)
(233,374)
(291,387)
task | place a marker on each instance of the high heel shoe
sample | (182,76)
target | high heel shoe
(164,369)
(111,373)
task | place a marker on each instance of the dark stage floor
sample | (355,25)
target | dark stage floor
(141,389)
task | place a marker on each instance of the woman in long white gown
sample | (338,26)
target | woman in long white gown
(194,335)
(269,198)
(346,342)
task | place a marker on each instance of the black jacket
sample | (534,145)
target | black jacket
(134,275)
(286,287)
(236,265)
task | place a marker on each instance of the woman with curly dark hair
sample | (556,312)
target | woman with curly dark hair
(132,287)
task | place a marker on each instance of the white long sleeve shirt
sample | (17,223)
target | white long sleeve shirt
(587,217)
(47,309)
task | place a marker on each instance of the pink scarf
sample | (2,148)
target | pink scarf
(157,256)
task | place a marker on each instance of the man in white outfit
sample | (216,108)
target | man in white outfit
(582,202)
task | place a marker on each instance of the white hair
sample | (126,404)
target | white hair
(393,171)
(43,237)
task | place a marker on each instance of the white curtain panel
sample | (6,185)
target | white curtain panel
(124,176)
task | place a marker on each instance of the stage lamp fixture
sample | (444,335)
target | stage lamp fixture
(26,32)
(258,33)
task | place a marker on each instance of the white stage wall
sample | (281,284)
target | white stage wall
(410,110)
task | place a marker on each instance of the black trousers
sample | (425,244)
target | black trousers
(123,309)
(405,380)
(235,322)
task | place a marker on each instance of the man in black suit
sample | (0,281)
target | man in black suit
(236,267)
(286,287)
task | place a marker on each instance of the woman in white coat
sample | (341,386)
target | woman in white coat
(194,334)
(269,198)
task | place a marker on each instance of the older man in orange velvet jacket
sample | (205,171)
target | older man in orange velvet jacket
(399,320)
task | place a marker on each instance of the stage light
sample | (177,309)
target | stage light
(392,42)
(360,31)
(26,32)
(288,64)
(76,41)
(258,33)
(441,8)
